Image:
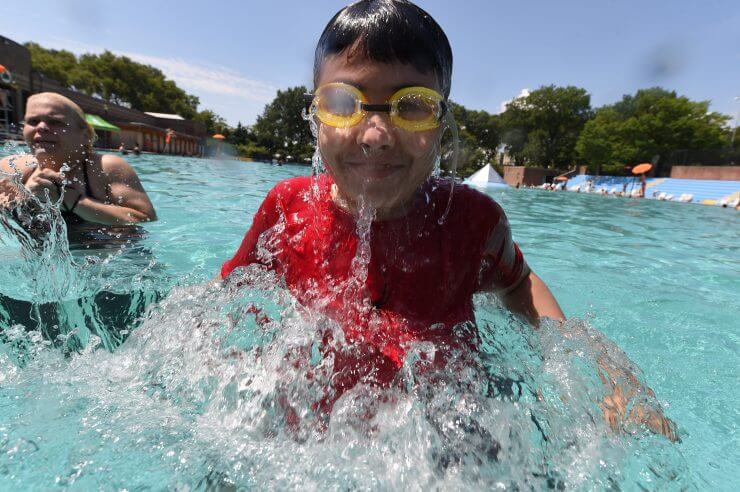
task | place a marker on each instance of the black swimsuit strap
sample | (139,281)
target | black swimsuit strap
(88,189)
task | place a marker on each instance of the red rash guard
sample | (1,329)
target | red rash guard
(420,279)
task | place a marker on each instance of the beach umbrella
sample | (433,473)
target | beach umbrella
(642,168)
(561,178)
(220,139)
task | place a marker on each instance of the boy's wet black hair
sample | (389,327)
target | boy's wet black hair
(388,31)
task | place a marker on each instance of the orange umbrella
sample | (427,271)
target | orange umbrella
(561,178)
(642,168)
(218,136)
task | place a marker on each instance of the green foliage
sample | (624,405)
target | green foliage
(254,151)
(119,80)
(58,65)
(239,135)
(478,132)
(542,128)
(282,129)
(653,122)
(214,123)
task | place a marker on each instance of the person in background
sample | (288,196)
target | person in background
(100,199)
(101,189)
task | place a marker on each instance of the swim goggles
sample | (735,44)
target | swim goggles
(414,109)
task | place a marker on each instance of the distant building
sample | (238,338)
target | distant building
(529,176)
(114,124)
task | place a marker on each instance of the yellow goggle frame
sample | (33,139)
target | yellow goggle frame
(414,109)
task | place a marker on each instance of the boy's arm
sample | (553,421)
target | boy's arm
(265,218)
(505,272)
(532,300)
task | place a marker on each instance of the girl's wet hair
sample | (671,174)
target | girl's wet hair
(388,31)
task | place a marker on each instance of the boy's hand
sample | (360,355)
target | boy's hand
(615,405)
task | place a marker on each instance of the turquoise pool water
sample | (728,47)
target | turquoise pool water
(175,407)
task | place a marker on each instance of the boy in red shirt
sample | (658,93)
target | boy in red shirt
(377,243)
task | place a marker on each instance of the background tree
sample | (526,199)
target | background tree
(56,64)
(543,128)
(214,123)
(652,123)
(281,129)
(239,135)
(479,137)
(119,80)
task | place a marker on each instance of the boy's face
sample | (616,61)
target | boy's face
(374,160)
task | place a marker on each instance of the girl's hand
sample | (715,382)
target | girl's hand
(39,185)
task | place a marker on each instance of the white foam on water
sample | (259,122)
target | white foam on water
(201,392)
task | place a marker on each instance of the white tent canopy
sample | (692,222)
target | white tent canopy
(486,176)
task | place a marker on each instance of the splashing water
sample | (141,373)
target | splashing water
(35,226)
(218,387)
(44,287)
(197,395)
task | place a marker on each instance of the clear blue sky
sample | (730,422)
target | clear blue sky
(235,55)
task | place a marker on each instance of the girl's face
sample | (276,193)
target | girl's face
(53,131)
(374,161)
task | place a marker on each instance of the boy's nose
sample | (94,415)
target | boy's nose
(376,132)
